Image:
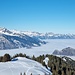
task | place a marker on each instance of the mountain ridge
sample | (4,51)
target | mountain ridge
(48,35)
(11,40)
(66,51)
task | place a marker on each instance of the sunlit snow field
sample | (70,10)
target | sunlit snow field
(44,49)
(22,65)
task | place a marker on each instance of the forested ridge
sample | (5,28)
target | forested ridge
(58,65)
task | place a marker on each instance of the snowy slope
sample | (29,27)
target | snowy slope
(16,39)
(21,65)
(13,39)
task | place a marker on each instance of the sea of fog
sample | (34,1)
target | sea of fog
(53,44)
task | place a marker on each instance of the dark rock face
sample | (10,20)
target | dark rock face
(67,51)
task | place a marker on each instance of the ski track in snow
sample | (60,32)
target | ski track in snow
(10,70)
(4,70)
(7,69)
(29,70)
(22,65)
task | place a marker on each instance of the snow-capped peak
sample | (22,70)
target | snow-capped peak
(5,31)
(48,35)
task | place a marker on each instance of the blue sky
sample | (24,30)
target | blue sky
(56,16)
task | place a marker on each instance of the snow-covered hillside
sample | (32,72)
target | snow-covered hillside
(13,40)
(21,65)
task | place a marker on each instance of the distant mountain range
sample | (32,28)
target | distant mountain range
(50,35)
(11,40)
(66,51)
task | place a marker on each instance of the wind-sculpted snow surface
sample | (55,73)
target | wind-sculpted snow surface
(21,65)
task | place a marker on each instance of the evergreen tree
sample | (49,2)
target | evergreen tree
(6,57)
(64,69)
(20,73)
(24,73)
(1,58)
(60,72)
(33,58)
